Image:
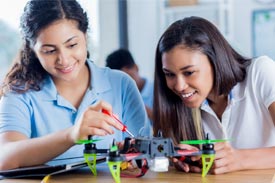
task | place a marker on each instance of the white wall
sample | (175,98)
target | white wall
(108,29)
(143,37)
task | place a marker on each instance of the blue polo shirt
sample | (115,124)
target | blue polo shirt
(147,93)
(38,113)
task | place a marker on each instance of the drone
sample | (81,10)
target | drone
(149,153)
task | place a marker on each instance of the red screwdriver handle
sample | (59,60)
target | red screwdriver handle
(106,112)
(124,127)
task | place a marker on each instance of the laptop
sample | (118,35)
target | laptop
(53,167)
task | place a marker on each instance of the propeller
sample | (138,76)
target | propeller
(87,141)
(206,141)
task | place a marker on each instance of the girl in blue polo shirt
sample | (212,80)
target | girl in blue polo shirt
(203,86)
(53,95)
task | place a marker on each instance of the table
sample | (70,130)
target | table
(104,176)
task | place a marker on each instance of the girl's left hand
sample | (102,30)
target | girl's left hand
(183,165)
(227,159)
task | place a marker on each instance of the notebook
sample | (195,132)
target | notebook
(54,167)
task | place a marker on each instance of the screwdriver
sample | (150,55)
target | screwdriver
(124,129)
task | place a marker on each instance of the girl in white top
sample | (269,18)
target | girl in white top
(202,85)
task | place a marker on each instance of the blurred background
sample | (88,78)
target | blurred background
(249,25)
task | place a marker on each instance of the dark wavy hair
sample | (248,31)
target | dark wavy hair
(171,116)
(27,72)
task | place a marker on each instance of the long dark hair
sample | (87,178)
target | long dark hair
(27,72)
(171,116)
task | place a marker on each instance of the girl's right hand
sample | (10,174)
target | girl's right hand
(94,122)
(187,166)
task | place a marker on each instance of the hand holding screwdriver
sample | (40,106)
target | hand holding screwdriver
(124,129)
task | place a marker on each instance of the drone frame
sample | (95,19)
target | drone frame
(147,148)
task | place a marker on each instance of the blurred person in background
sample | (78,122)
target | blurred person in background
(123,60)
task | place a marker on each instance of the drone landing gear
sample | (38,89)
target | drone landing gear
(207,161)
(91,161)
(114,162)
(115,170)
(208,155)
(90,156)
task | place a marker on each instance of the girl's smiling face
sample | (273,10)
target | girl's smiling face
(188,74)
(61,49)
